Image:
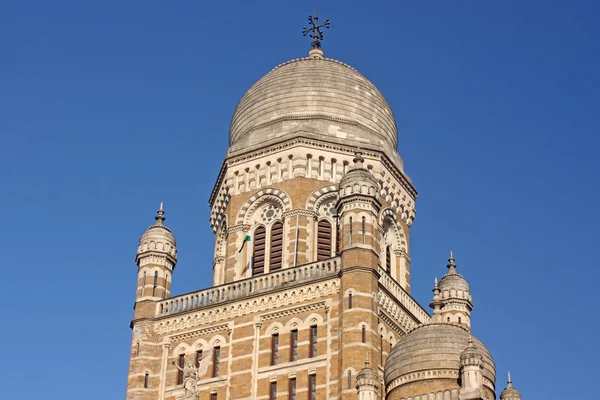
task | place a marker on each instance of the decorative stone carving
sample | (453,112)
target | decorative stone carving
(192,375)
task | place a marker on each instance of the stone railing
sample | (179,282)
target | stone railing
(249,286)
(405,299)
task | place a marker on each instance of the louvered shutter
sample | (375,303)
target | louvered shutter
(324,240)
(276,256)
(258,253)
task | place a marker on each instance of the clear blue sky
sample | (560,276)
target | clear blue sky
(109,107)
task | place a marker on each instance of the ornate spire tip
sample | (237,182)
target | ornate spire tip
(314,30)
(451,264)
(160,215)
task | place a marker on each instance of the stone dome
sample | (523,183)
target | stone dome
(509,392)
(433,351)
(454,281)
(314,94)
(158,238)
(359,180)
(454,284)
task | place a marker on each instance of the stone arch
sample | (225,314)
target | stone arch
(293,323)
(261,197)
(217,340)
(221,242)
(316,197)
(313,319)
(182,348)
(199,344)
(275,327)
(388,219)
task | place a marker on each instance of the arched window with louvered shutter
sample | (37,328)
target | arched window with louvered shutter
(388,260)
(258,250)
(324,240)
(276,255)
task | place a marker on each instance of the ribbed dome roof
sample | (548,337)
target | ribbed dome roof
(158,238)
(314,88)
(454,281)
(436,346)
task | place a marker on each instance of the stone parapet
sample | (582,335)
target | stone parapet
(247,287)
(402,295)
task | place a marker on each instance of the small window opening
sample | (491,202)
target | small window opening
(313,341)
(274,349)
(146,377)
(216,361)
(364,228)
(292,389)
(180,364)
(155,283)
(364,334)
(349,379)
(294,345)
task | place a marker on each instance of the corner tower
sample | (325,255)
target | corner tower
(156,259)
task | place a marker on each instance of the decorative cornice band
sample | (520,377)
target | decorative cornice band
(292,311)
(301,212)
(199,332)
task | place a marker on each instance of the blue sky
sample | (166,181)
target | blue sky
(108,108)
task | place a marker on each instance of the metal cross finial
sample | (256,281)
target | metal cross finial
(315,30)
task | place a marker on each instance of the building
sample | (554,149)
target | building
(311,289)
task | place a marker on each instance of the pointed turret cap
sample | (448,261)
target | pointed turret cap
(510,393)
(359,180)
(158,239)
(453,280)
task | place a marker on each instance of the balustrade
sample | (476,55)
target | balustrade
(402,295)
(246,287)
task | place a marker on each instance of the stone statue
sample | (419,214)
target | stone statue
(191,376)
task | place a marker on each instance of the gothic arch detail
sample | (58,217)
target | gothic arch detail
(317,197)
(275,196)
(388,220)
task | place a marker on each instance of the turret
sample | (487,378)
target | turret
(471,365)
(156,258)
(367,383)
(455,295)
(510,393)
(358,207)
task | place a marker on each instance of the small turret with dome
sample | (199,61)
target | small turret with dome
(367,383)
(359,180)
(156,259)
(455,296)
(443,350)
(510,393)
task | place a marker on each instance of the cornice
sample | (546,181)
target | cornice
(199,332)
(292,311)
(301,212)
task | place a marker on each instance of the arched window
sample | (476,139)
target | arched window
(155,283)
(459,320)
(349,300)
(364,334)
(276,255)
(388,260)
(258,251)
(324,240)
(181,365)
